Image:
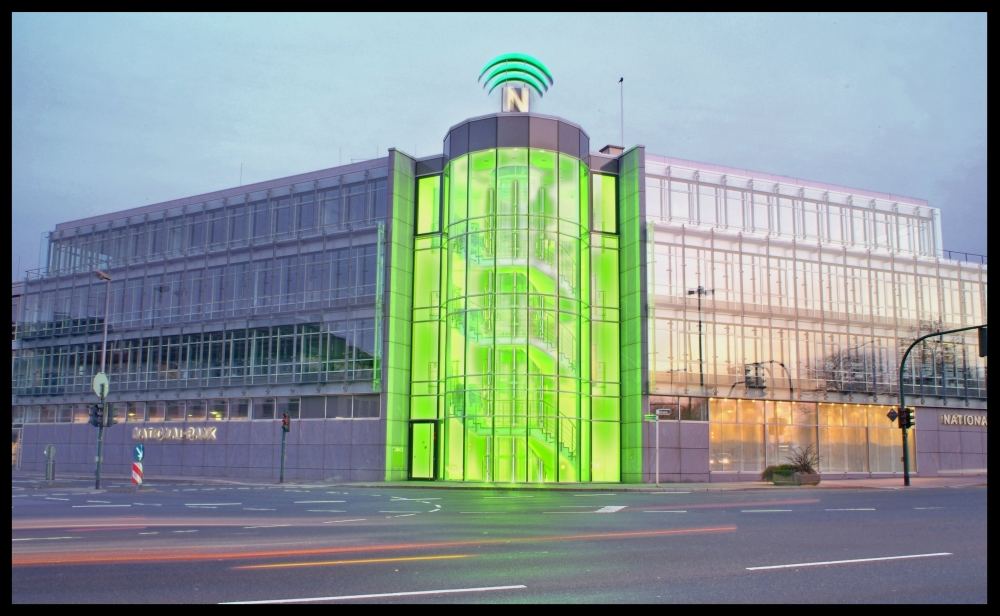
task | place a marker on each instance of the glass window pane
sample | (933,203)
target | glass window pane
(605,208)
(428,204)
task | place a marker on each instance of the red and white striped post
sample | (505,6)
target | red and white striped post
(137,455)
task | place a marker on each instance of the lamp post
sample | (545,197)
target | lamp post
(103,390)
(699,292)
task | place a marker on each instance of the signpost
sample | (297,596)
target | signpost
(667,413)
(101,388)
(137,455)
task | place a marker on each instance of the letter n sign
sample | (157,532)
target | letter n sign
(515,99)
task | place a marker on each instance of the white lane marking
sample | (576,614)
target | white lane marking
(352,520)
(155,532)
(387,594)
(149,504)
(55,498)
(611,509)
(258,509)
(268,526)
(856,560)
(98,501)
(102,505)
(925,508)
(400,498)
(853,509)
(184,531)
(318,501)
(210,504)
(763,510)
(405,515)
(326,510)
(43,538)
(667,511)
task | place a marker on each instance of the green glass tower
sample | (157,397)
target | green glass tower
(515,349)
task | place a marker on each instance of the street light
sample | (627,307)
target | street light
(700,291)
(103,391)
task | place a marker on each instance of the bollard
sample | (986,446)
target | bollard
(50,462)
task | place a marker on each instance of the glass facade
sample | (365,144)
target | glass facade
(815,295)
(509,311)
(503,337)
(816,318)
(254,294)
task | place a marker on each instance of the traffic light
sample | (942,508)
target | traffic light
(753,377)
(908,417)
(286,422)
(95,416)
(111,416)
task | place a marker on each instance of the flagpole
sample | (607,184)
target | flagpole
(621,90)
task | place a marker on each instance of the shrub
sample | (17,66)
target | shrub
(779,469)
(804,459)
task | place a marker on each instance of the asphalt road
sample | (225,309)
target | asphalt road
(200,543)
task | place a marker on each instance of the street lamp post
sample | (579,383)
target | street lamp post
(699,292)
(103,391)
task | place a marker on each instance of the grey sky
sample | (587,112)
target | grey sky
(112,111)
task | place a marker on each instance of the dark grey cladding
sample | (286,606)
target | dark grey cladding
(430,165)
(516,130)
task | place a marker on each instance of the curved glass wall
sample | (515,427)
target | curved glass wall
(515,319)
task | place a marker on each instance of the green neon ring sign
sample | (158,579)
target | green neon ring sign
(516,67)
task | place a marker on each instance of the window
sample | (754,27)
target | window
(366,406)
(428,204)
(217,228)
(261,219)
(239,409)
(263,408)
(238,221)
(357,210)
(283,215)
(306,206)
(331,207)
(217,409)
(196,235)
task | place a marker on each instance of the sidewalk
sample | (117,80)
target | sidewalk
(887,483)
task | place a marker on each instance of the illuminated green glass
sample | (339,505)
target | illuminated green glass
(399,357)
(605,204)
(428,204)
(422,451)
(631,289)
(513,376)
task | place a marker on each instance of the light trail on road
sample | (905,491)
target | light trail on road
(193,554)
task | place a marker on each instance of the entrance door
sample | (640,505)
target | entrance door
(423,450)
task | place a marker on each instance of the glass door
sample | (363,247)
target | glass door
(423,450)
